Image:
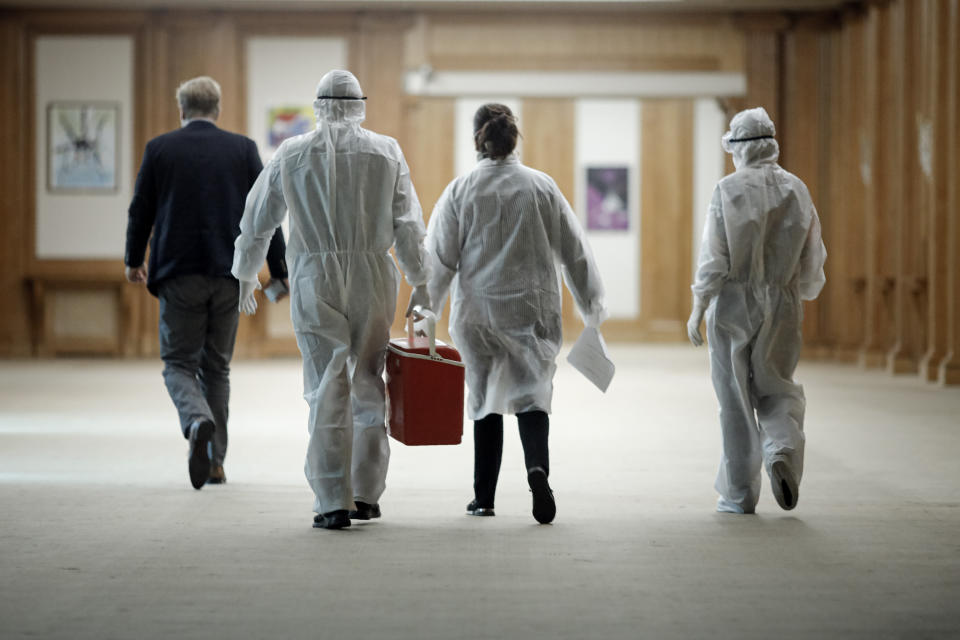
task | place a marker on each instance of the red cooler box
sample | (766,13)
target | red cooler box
(424,389)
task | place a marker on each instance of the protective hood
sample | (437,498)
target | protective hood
(751,138)
(339,99)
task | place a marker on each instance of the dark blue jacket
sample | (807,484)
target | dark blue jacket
(190,193)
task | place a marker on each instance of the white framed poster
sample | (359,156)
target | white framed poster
(82,144)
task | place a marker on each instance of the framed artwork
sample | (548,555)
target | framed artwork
(287,122)
(82,146)
(607,192)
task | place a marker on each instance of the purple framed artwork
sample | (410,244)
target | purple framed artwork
(607,204)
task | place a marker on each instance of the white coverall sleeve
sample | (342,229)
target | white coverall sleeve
(443,247)
(408,229)
(713,265)
(578,266)
(264,211)
(811,277)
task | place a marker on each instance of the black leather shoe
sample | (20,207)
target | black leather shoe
(333,520)
(544,507)
(365,511)
(474,510)
(217,476)
(784,485)
(198,461)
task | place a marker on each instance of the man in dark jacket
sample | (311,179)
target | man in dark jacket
(190,194)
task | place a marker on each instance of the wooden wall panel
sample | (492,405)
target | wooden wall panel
(909,219)
(853,196)
(830,210)
(881,228)
(950,366)
(763,71)
(380,68)
(941,39)
(798,134)
(429,152)
(666,215)
(539,41)
(847,97)
(545,150)
(14,321)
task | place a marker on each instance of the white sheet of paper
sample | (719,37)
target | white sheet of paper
(590,357)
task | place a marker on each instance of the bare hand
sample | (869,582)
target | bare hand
(136,274)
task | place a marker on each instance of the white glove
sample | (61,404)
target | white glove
(248,302)
(419,297)
(693,324)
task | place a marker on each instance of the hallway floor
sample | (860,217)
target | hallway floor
(101,535)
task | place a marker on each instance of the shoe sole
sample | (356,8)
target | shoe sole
(373,515)
(199,464)
(785,490)
(327,523)
(481,512)
(544,506)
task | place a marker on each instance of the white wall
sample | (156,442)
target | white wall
(284,72)
(709,123)
(464,150)
(608,134)
(78,69)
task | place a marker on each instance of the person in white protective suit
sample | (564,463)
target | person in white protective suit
(350,199)
(496,236)
(761,255)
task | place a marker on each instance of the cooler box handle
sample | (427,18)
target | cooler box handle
(429,323)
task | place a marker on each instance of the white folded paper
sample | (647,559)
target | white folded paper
(590,357)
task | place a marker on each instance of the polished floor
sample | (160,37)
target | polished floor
(101,535)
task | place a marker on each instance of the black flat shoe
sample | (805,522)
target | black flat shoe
(365,511)
(785,489)
(333,520)
(474,510)
(198,462)
(544,506)
(217,476)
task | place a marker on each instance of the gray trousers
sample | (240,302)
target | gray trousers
(198,327)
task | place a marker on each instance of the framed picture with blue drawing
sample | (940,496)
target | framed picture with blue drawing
(82,146)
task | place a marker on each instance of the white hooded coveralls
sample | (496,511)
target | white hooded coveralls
(350,199)
(496,236)
(760,256)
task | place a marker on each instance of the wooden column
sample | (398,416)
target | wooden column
(15,339)
(800,149)
(553,154)
(940,46)
(850,299)
(380,68)
(950,366)
(666,223)
(428,148)
(910,217)
(379,65)
(764,60)
(836,289)
(881,229)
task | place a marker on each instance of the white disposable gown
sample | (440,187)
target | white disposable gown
(350,199)
(496,236)
(760,256)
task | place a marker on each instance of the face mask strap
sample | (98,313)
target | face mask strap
(340,98)
(750,139)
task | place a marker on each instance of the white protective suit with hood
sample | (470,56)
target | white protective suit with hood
(761,255)
(350,199)
(496,236)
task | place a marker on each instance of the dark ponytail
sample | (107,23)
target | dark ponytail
(495,131)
